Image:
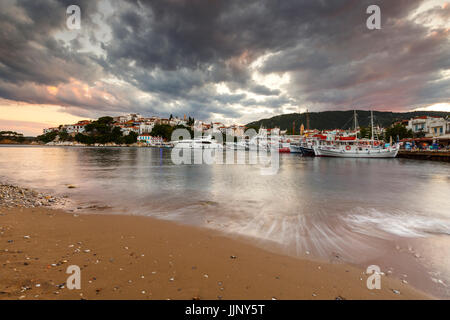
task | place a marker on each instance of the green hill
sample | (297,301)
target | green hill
(339,119)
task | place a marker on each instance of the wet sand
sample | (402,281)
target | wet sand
(131,257)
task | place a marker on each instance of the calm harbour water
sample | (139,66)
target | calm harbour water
(391,212)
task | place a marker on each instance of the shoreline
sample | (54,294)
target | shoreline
(433,156)
(81,145)
(135,257)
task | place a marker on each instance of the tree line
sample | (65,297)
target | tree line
(100,131)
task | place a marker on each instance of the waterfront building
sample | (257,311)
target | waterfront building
(430,126)
(150,139)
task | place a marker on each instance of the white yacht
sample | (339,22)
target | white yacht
(198,143)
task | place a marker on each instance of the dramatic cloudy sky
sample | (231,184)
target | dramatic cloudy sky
(227,60)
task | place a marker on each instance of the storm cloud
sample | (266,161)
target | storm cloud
(227,59)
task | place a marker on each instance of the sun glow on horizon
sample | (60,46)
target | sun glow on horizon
(435,107)
(30,119)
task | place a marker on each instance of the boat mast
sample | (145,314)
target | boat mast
(371,123)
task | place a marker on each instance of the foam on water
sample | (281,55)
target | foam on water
(399,223)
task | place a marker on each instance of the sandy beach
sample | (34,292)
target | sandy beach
(131,257)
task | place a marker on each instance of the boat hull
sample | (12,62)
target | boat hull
(308,152)
(380,153)
(295,149)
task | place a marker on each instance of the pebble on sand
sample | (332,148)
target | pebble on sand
(13,197)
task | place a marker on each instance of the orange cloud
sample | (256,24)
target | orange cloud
(52,90)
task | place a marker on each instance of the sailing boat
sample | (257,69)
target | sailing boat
(352,147)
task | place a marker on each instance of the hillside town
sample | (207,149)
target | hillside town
(134,122)
(143,127)
(419,132)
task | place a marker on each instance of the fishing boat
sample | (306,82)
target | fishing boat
(355,150)
(307,145)
(351,147)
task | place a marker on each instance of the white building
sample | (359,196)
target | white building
(146,127)
(150,139)
(73,128)
(430,126)
(128,117)
(47,130)
(126,130)
(78,127)
(177,122)
(201,126)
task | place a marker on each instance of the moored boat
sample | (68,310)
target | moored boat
(351,147)
(295,148)
(356,151)
(308,152)
(198,143)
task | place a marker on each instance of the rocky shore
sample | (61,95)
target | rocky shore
(13,197)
